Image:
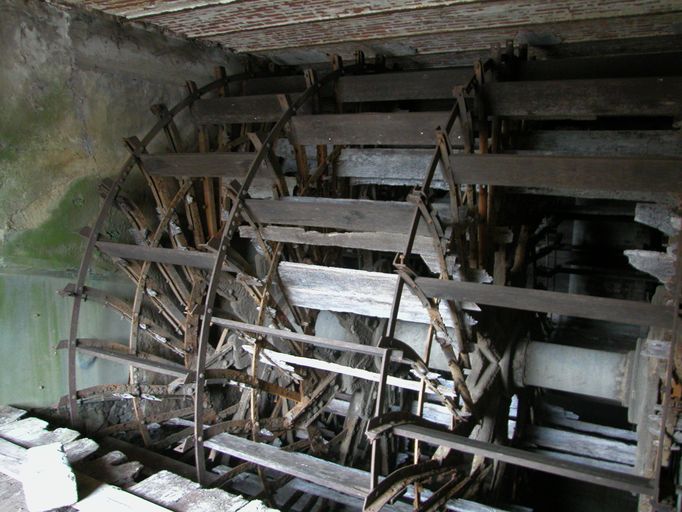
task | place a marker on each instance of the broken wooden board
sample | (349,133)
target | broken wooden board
(353,291)
(661,265)
(658,216)
(371,241)
(344,214)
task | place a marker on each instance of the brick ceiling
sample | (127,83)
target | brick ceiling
(305,31)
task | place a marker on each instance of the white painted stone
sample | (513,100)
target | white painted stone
(47,478)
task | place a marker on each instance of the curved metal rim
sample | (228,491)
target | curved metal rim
(228,231)
(86,260)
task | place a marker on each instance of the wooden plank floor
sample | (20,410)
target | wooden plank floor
(162,491)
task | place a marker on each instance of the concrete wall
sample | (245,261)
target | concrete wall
(73,84)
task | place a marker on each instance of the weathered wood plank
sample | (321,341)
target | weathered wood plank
(32,432)
(583,306)
(621,66)
(158,255)
(581,444)
(346,214)
(213,165)
(306,467)
(163,488)
(530,460)
(372,241)
(650,96)
(378,129)
(9,414)
(658,143)
(370,293)
(43,464)
(11,459)
(137,362)
(102,497)
(409,85)
(642,174)
(353,291)
(237,109)
(107,497)
(612,466)
(271,85)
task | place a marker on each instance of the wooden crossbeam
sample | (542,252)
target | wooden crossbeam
(408,85)
(212,165)
(558,99)
(537,461)
(237,109)
(582,306)
(346,480)
(377,129)
(344,214)
(642,174)
(171,369)
(371,293)
(162,255)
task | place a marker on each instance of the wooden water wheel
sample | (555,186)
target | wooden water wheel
(288,200)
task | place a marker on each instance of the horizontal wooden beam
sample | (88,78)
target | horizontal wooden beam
(370,241)
(621,66)
(559,99)
(371,293)
(353,291)
(582,306)
(408,85)
(212,165)
(376,129)
(162,255)
(263,108)
(358,373)
(138,362)
(315,341)
(346,480)
(657,143)
(537,461)
(344,214)
(260,108)
(157,254)
(641,174)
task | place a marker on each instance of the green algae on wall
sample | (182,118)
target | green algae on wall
(56,244)
(33,319)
